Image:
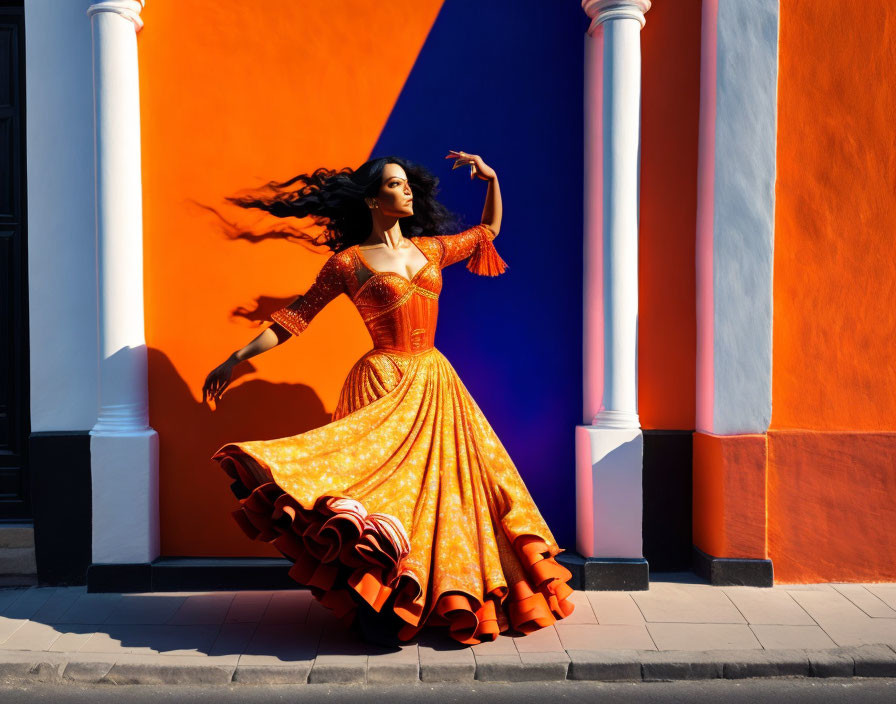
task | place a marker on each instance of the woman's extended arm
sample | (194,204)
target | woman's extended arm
(269,338)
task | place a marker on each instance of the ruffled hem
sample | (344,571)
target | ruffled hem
(343,553)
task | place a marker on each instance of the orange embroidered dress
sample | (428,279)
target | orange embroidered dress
(407,501)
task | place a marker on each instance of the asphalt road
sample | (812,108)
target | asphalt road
(780,691)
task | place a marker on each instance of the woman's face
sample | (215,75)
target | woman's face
(395,197)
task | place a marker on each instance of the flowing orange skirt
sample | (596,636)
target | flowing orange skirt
(406,499)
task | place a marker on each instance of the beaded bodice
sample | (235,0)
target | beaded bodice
(399,312)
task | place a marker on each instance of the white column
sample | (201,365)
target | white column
(609,449)
(124,449)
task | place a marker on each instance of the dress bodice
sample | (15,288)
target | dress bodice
(399,312)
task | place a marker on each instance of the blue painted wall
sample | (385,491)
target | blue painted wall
(503,79)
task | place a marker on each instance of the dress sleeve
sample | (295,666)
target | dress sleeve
(328,284)
(475,243)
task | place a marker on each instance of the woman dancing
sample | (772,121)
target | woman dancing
(405,510)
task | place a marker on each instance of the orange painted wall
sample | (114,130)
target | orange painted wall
(834,336)
(670,108)
(220,113)
(729,484)
(831,508)
(831,493)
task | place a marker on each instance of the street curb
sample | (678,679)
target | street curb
(458,666)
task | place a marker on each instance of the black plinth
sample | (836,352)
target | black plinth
(733,571)
(605,573)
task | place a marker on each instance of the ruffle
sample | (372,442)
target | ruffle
(485,259)
(341,552)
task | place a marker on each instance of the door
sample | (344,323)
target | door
(14,417)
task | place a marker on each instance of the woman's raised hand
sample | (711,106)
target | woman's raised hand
(477,166)
(218,379)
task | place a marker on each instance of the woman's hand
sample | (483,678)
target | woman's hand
(477,166)
(218,379)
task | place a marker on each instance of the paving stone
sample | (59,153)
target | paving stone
(499,668)
(614,608)
(843,621)
(831,663)
(248,606)
(152,639)
(8,626)
(866,600)
(31,636)
(280,645)
(58,604)
(10,595)
(686,603)
(885,592)
(338,668)
(547,666)
(502,645)
(669,665)
(605,637)
(170,670)
(792,637)
(72,637)
(760,605)
(206,608)
(702,636)
(544,640)
(583,612)
(873,660)
(294,673)
(145,609)
(766,663)
(29,603)
(90,608)
(293,606)
(605,665)
(233,638)
(819,587)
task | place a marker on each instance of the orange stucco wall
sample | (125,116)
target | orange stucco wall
(729,483)
(670,108)
(835,215)
(207,296)
(831,494)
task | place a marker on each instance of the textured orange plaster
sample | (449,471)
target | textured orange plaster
(729,493)
(832,506)
(835,255)
(234,93)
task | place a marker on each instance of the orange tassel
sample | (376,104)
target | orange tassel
(485,260)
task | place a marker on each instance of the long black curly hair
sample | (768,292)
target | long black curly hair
(335,200)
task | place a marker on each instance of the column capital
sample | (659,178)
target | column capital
(129,9)
(602,10)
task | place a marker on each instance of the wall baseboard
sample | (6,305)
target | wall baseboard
(733,571)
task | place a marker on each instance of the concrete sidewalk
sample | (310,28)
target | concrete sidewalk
(679,629)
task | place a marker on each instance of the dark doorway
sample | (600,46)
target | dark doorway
(15,423)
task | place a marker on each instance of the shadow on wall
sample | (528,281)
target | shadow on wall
(194,492)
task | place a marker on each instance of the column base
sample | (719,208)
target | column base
(733,571)
(125,496)
(595,574)
(609,499)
